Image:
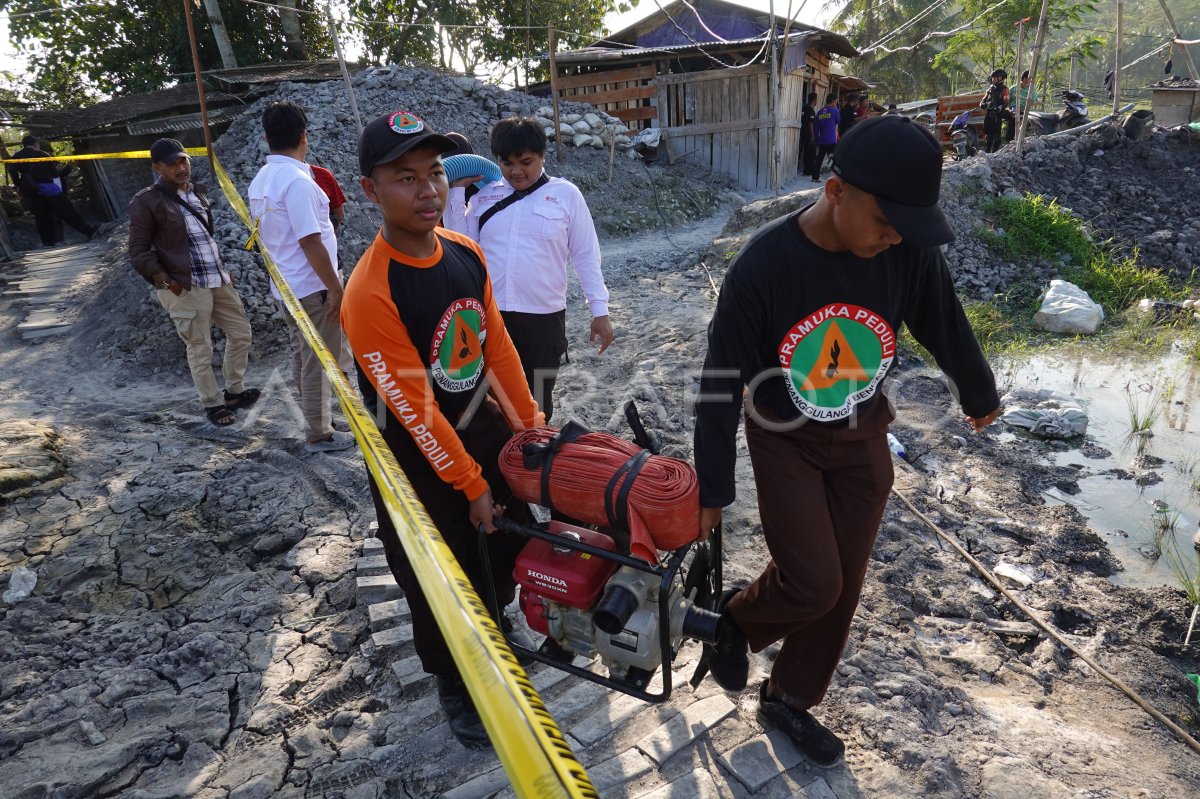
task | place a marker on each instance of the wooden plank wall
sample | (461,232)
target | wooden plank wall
(620,92)
(722,118)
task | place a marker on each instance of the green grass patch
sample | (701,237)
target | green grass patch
(1034,227)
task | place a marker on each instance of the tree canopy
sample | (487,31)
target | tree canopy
(465,34)
(116,47)
(132,46)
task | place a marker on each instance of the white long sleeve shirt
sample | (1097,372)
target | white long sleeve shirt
(529,243)
(289,206)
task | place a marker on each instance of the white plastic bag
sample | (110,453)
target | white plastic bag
(1066,308)
(20,584)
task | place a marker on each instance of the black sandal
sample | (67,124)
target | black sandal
(243,399)
(220,415)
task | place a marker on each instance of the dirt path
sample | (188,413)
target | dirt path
(197,629)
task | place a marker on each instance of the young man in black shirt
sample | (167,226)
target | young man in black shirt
(43,185)
(808,137)
(807,319)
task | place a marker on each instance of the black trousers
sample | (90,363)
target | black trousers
(808,154)
(448,507)
(541,341)
(45,209)
(823,151)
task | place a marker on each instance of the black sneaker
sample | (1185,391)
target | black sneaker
(729,658)
(814,740)
(464,720)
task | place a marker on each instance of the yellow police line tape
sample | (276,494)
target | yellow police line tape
(96,156)
(536,756)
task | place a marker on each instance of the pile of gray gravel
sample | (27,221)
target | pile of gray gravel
(123,321)
(1132,195)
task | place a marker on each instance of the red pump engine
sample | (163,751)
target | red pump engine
(561,598)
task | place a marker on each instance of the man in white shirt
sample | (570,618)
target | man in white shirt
(529,226)
(293,224)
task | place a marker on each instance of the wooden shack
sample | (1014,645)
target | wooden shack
(134,122)
(1175,105)
(701,71)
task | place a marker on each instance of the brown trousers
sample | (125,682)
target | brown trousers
(821,496)
(307,371)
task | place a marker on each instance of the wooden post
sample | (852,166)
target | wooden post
(337,46)
(775,143)
(1020,52)
(1033,67)
(612,149)
(558,149)
(1116,85)
(187,13)
(1187,56)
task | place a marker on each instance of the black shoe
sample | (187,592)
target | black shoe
(464,720)
(815,741)
(729,658)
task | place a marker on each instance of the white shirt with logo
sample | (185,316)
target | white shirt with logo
(289,205)
(529,244)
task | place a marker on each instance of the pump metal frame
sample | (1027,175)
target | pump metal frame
(666,573)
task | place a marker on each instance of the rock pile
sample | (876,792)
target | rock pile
(123,317)
(1134,195)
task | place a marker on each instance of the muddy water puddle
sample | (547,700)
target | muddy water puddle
(1134,489)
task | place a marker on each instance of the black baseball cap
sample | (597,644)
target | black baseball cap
(166,150)
(899,163)
(390,136)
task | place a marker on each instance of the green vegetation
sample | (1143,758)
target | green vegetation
(1164,525)
(1145,405)
(1034,227)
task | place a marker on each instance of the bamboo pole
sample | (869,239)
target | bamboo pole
(1020,52)
(775,143)
(558,149)
(1116,84)
(1187,56)
(337,46)
(1033,68)
(191,28)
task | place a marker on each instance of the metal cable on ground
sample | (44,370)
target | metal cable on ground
(1181,733)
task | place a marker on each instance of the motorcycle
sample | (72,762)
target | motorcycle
(963,136)
(1073,114)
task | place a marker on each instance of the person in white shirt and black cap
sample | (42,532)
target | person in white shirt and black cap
(171,245)
(529,226)
(823,293)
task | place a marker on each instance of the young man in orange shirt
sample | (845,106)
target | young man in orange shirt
(425,330)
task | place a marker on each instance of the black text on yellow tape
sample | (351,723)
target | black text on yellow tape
(93,156)
(535,755)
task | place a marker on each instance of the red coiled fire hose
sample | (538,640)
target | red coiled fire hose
(604,480)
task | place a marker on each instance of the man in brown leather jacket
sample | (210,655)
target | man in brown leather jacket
(171,245)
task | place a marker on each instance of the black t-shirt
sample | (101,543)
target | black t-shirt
(808,119)
(848,118)
(812,334)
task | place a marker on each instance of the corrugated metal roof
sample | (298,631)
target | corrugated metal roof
(184,121)
(76,121)
(325,69)
(832,42)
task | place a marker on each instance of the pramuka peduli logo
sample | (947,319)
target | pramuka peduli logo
(456,355)
(835,358)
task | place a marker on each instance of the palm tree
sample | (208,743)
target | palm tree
(888,31)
